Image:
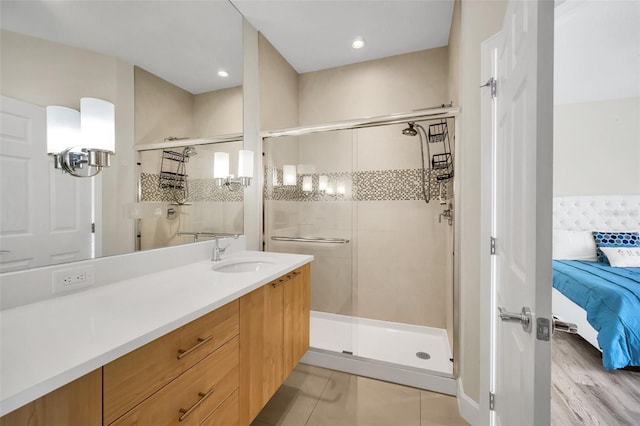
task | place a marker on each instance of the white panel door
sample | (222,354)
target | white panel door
(45,216)
(521,213)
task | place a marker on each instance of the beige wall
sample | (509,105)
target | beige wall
(380,87)
(162,109)
(45,73)
(454,54)
(278,88)
(597,148)
(218,112)
(478,21)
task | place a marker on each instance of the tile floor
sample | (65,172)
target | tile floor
(313,396)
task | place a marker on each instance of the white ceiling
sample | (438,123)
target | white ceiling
(317,34)
(597,51)
(186,41)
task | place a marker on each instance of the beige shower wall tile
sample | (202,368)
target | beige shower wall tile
(386,148)
(403,261)
(327,152)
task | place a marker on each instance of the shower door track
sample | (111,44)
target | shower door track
(418,115)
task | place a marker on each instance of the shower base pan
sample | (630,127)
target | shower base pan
(407,354)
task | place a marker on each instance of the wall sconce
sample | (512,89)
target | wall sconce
(221,174)
(289,175)
(82,142)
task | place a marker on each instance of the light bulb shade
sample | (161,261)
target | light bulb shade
(289,175)
(63,129)
(97,124)
(245,163)
(341,188)
(307,184)
(323,183)
(220,165)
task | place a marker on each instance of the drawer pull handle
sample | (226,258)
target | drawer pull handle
(182,353)
(203,396)
(284,279)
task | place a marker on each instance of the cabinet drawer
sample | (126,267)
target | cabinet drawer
(129,380)
(194,395)
(226,414)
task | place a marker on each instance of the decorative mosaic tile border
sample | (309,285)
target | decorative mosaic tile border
(374,185)
(199,190)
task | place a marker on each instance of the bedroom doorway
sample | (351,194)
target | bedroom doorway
(594,107)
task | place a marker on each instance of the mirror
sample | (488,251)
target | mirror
(158,62)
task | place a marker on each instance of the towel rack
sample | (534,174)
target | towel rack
(312,240)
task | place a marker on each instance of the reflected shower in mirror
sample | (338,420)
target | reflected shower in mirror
(179,201)
(157,62)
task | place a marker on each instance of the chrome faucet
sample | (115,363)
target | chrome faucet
(217,250)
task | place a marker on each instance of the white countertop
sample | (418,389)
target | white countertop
(48,344)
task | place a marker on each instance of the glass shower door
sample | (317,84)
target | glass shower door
(308,209)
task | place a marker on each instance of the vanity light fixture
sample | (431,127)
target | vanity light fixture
(221,174)
(358,43)
(289,175)
(223,74)
(81,142)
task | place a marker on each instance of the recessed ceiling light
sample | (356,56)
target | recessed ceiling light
(223,73)
(358,43)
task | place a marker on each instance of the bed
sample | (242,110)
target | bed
(604,301)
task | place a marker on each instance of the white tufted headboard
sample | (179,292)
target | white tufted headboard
(597,213)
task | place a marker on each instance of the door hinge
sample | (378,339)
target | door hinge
(492,401)
(493,246)
(93,228)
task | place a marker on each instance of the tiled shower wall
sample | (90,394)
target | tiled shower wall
(397,265)
(207,208)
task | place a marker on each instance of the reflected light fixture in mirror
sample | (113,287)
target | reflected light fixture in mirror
(307,184)
(221,174)
(289,174)
(81,142)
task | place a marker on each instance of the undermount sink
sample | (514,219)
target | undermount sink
(243,265)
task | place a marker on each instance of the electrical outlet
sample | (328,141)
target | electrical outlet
(72,279)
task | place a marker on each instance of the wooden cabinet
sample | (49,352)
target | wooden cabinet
(274,335)
(194,395)
(131,379)
(219,370)
(77,403)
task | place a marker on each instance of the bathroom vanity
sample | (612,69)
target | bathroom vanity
(192,345)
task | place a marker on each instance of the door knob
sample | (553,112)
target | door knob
(566,327)
(523,317)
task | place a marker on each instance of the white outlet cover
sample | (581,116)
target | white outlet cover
(58,284)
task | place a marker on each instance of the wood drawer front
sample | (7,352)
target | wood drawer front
(218,373)
(226,414)
(132,378)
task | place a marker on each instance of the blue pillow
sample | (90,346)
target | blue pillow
(614,239)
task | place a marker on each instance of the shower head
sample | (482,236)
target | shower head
(188,151)
(411,130)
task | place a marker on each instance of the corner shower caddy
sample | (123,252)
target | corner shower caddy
(172,171)
(441,163)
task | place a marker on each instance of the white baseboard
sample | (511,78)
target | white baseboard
(468,408)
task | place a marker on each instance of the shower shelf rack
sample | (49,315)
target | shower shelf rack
(441,163)
(172,170)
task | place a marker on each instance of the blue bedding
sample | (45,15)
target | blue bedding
(611,297)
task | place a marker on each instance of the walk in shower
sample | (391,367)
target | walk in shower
(382,279)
